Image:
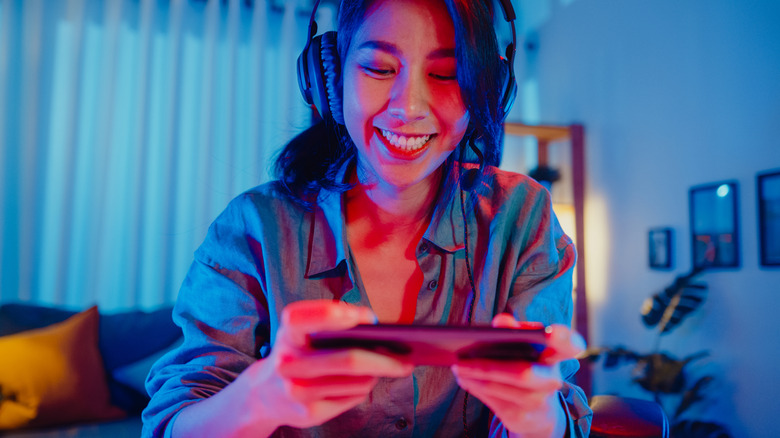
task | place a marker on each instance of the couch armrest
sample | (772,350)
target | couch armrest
(627,417)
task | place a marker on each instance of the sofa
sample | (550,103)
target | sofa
(68,373)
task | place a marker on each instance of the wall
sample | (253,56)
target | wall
(672,94)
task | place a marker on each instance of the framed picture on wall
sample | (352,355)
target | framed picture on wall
(714,225)
(659,248)
(769,217)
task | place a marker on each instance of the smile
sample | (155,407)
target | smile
(405,142)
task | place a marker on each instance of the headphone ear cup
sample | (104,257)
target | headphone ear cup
(318,74)
(331,71)
(510,87)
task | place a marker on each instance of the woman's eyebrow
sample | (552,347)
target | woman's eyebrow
(395,51)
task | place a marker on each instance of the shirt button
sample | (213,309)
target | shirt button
(432,284)
(401,424)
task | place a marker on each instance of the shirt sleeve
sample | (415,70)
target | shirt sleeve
(223,313)
(542,291)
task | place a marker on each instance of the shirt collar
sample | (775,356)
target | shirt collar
(328,245)
(327,241)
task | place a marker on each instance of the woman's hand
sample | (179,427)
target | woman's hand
(523,395)
(300,387)
(295,385)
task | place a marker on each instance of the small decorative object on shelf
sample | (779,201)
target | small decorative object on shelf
(545,175)
(659,245)
(769,217)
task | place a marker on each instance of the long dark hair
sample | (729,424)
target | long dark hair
(312,160)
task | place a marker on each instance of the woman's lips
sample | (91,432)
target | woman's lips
(404,146)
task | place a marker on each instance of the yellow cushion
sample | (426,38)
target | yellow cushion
(54,375)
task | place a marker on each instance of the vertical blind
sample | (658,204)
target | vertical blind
(126,126)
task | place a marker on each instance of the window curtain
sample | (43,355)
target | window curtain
(126,126)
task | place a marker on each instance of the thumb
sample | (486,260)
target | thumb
(303,317)
(562,344)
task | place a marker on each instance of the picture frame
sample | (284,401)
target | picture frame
(768,193)
(659,248)
(714,222)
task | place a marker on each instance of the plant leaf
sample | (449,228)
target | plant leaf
(653,307)
(660,373)
(687,298)
(612,356)
(616,356)
(592,354)
(670,306)
(692,395)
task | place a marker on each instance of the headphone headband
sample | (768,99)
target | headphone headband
(304,80)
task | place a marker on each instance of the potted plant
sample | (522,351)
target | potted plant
(660,373)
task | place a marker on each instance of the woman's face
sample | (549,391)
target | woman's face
(402,102)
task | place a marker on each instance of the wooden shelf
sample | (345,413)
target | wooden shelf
(541,132)
(575,135)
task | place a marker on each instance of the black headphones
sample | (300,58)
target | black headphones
(319,69)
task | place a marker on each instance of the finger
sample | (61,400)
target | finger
(329,408)
(520,374)
(303,317)
(347,362)
(534,420)
(506,320)
(310,414)
(520,397)
(330,387)
(502,408)
(562,344)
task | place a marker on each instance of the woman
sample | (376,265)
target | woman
(370,227)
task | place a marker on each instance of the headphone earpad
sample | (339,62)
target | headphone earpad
(330,63)
(318,76)
(510,87)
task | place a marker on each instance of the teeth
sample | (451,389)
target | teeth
(405,143)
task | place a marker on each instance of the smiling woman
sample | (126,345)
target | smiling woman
(369,222)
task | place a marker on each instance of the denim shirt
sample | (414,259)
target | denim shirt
(266,251)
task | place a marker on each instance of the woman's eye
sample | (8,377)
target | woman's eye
(444,77)
(377,72)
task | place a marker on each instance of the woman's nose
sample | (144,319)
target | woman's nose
(410,97)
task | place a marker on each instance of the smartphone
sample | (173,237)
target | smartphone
(440,345)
